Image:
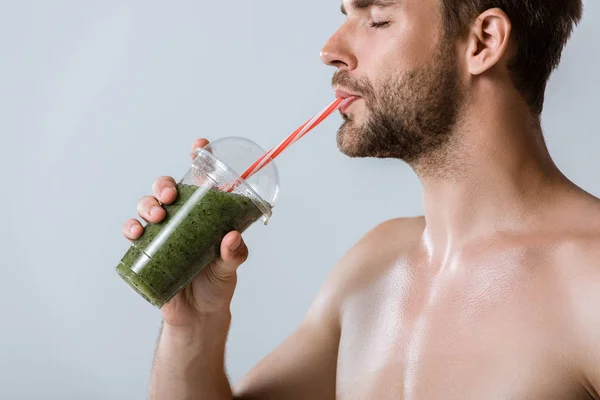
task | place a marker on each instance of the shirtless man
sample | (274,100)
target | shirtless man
(494,293)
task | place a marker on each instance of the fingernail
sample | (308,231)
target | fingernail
(236,245)
(167,192)
(132,229)
(155,210)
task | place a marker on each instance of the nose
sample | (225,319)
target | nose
(337,52)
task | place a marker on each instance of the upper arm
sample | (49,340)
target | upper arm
(304,366)
(590,355)
(584,316)
(589,332)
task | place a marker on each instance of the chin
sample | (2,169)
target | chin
(349,140)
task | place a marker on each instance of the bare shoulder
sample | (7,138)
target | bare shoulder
(578,263)
(388,240)
(378,250)
(579,239)
(385,243)
(399,231)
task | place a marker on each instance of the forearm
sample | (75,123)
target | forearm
(189,362)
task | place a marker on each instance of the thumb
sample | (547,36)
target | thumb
(233,253)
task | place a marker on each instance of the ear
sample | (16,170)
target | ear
(488,40)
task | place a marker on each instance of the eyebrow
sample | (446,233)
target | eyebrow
(362,4)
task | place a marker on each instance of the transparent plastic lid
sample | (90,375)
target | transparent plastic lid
(239,154)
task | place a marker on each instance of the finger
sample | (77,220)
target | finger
(165,189)
(198,144)
(150,209)
(132,229)
(233,253)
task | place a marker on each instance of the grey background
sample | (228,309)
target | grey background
(98,98)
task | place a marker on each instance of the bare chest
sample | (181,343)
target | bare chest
(483,337)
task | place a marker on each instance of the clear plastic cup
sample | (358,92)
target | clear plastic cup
(171,253)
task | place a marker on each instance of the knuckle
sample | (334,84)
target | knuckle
(151,200)
(144,200)
(163,182)
(215,274)
(145,204)
(167,180)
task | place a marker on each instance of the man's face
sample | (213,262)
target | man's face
(399,69)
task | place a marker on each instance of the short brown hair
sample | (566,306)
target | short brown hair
(541,29)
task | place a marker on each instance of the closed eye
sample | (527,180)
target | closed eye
(381,24)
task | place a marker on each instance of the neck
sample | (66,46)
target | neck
(489,179)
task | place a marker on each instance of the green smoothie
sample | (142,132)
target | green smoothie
(171,253)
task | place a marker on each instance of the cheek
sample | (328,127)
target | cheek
(377,61)
(395,52)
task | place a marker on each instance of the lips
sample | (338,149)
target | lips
(344,105)
(349,98)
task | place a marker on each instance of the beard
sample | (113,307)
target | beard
(409,116)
